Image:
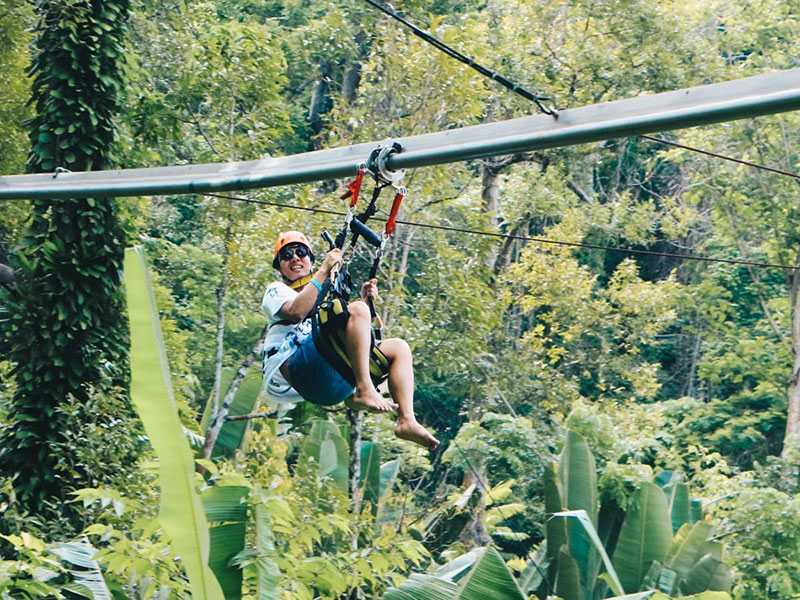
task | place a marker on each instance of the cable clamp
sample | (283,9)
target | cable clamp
(376,163)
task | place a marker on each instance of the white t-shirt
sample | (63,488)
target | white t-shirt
(278,294)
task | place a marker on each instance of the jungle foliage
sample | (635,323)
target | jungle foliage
(613,424)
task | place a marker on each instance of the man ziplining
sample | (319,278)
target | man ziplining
(332,357)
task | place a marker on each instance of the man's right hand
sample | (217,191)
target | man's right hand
(333,260)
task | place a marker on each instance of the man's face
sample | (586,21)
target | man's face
(293,266)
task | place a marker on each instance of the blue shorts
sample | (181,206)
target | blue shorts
(314,378)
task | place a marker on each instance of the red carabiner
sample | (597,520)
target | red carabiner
(354,188)
(391,221)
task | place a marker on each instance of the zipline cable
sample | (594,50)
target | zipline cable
(510,85)
(537,240)
(721,156)
(452,52)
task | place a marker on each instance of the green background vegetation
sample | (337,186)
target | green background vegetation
(674,379)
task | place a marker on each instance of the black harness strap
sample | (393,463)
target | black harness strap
(328,334)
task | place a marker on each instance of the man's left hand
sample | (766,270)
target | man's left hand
(369,290)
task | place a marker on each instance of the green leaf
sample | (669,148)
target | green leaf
(535,572)
(591,532)
(232,433)
(181,512)
(423,587)
(226,541)
(389,472)
(556,529)
(490,578)
(454,569)
(687,547)
(679,506)
(268,572)
(370,476)
(327,447)
(89,578)
(568,578)
(225,506)
(709,573)
(578,476)
(225,503)
(644,537)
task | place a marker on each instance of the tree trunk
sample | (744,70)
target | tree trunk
(7,275)
(352,79)
(218,420)
(320,100)
(355,418)
(219,344)
(71,332)
(792,436)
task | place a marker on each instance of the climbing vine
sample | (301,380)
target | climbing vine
(67,330)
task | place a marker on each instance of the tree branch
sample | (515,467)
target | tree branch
(222,415)
(754,276)
(247,417)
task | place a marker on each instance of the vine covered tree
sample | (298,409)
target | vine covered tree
(68,333)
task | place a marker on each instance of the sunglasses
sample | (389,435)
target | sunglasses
(289,253)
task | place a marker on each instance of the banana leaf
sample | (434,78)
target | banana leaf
(535,572)
(226,509)
(645,536)
(490,578)
(328,448)
(457,567)
(370,476)
(181,514)
(679,506)
(578,477)
(688,546)
(232,433)
(695,510)
(88,581)
(423,587)
(555,528)
(389,472)
(709,573)
(568,578)
(656,595)
(585,522)
(268,572)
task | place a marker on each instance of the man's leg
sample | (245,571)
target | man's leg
(401,387)
(358,338)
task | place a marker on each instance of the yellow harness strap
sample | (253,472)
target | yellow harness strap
(300,282)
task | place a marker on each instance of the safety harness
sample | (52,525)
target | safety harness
(329,315)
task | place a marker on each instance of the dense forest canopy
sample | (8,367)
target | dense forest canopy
(558,377)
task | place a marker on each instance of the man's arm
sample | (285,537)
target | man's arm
(297,309)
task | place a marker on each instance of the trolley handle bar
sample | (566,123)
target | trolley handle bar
(359,228)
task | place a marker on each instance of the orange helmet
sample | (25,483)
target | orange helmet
(290,237)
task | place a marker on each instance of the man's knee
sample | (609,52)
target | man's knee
(359,310)
(395,347)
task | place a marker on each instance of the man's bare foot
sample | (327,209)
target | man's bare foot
(412,431)
(369,400)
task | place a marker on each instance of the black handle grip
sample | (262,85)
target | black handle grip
(373,270)
(327,237)
(339,243)
(359,228)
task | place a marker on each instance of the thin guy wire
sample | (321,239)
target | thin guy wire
(468,61)
(730,261)
(510,85)
(721,156)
